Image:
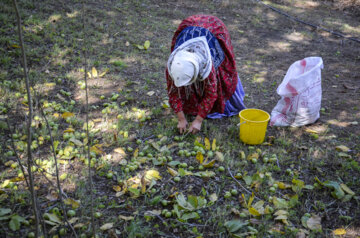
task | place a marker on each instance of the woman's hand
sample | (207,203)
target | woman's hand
(196,125)
(182,122)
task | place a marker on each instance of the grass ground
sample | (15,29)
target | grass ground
(148,180)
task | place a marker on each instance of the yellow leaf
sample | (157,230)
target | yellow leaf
(172,172)
(94,72)
(219,156)
(314,222)
(103,73)
(50,84)
(136,152)
(254,212)
(17,179)
(15,46)
(106,226)
(96,149)
(339,232)
(69,130)
(244,199)
(209,164)
(143,184)
(311,131)
(152,174)
(146,45)
(242,154)
(213,197)
(74,204)
(281,213)
(120,151)
(119,194)
(117,188)
(347,189)
(56,115)
(67,114)
(282,185)
(342,148)
(251,199)
(253,155)
(129,218)
(207,143)
(199,157)
(213,147)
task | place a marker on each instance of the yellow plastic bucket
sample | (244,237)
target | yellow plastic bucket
(253,124)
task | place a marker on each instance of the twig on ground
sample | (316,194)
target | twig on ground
(190,224)
(237,181)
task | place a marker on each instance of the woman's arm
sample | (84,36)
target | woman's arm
(210,96)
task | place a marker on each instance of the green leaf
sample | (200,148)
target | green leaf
(146,45)
(53,218)
(197,143)
(191,215)
(173,163)
(4,211)
(304,220)
(181,200)
(181,172)
(309,187)
(193,200)
(201,202)
(347,198)
(76,141)
(293,201)
(14,224)
(157,162)
(56,143)
(140,47)
(247,179)
(177,211)
(338,192)
(4,218)
(205,174)
(235,225)
(134,191)
(281,217)
(298,185)
(280,203)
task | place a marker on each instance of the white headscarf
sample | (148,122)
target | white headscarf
(190,62)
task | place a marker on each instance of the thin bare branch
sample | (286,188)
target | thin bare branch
(16,154)
(87,123)
(56,170)
(29,131)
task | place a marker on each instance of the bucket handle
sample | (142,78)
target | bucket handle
(239,124)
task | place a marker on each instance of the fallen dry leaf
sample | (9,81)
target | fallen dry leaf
(106,226)
(339,232)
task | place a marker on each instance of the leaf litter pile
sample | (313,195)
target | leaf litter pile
(148,181)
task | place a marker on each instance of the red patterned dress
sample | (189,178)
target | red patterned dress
(222,80)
